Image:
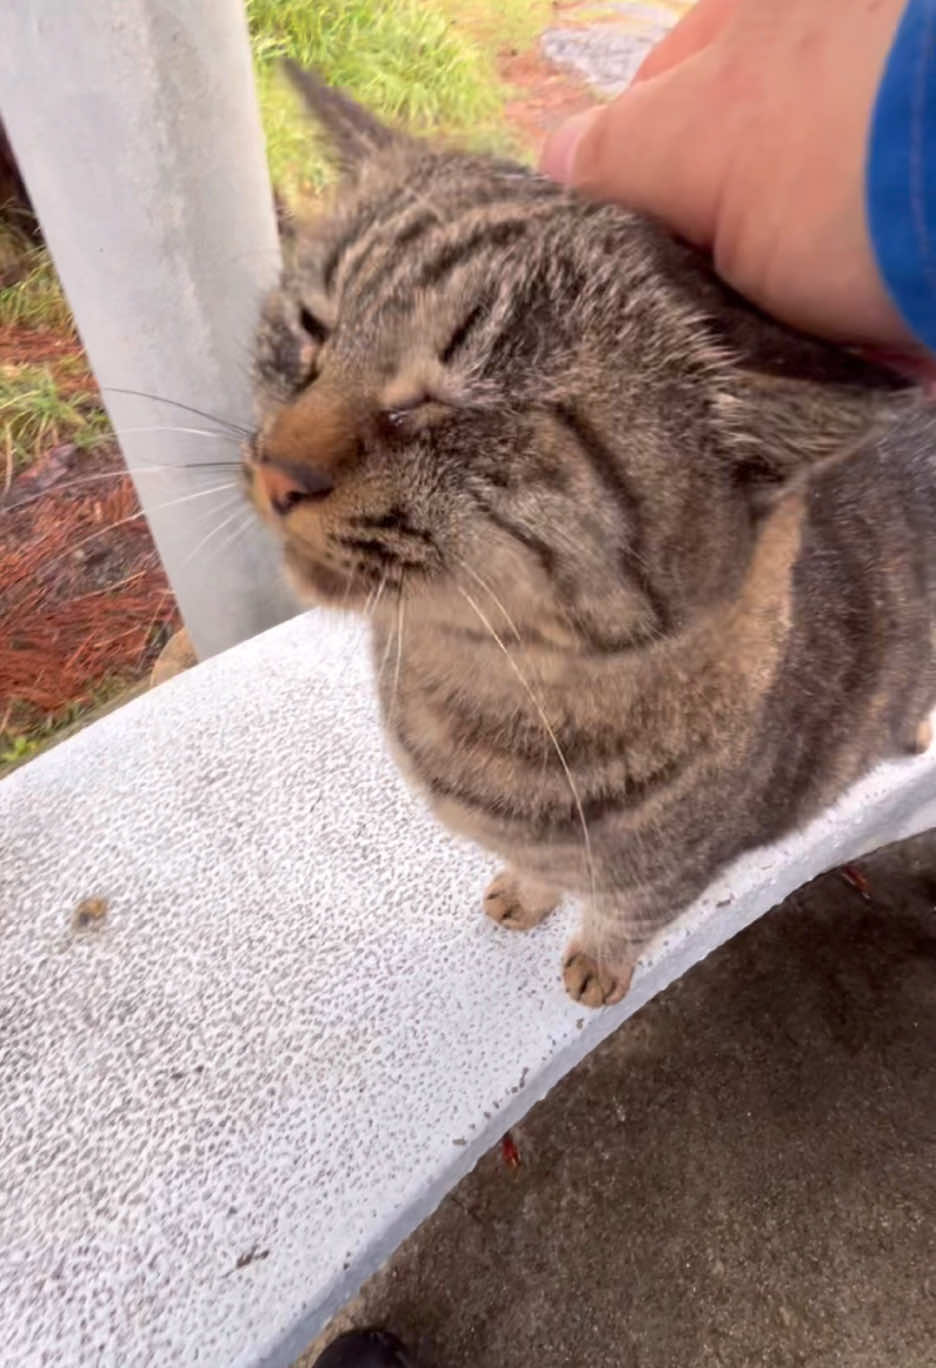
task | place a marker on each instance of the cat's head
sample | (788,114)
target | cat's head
(469,377)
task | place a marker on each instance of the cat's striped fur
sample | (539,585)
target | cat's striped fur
(652,579)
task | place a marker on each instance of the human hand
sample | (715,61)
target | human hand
(746,132)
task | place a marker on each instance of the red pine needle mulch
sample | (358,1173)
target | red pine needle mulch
(84,602)
(83,597)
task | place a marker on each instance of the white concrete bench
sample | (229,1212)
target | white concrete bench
(224,1102)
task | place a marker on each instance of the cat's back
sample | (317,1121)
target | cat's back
(858,673)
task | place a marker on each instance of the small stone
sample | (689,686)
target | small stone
(89,912)
(64,455)
(177,655)
(58,463)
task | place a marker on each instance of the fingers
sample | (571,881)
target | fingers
(652,149)
(648,149)
(704,22)
(560,150)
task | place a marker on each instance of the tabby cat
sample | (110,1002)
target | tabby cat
(651,577)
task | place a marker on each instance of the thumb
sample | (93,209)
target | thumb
(653,149)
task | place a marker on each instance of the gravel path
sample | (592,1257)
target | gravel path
(607,50)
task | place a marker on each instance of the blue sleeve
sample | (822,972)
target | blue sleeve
(901,171)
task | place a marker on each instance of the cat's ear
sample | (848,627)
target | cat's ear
(793,403)
(285,219)
(353,133)
(780,430)
(785,402)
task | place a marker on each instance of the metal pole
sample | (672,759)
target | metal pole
(135,126)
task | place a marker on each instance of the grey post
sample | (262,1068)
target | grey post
(135,126)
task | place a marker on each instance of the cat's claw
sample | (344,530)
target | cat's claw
(592,984)
(507,902)
(922,737)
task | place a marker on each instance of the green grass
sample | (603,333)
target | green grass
(31,295)
(36,299)
(415,63)
(32,732)
(37,411)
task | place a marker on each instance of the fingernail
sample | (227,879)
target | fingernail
(558,157)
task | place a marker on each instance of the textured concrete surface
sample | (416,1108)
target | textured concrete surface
(227,1099)
(744,1174)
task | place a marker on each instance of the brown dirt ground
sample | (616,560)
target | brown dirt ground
(26,346)
(546,96)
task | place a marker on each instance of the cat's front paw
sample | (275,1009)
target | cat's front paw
(922,737)
(594,984)
(517,904)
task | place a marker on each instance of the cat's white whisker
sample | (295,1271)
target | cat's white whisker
(491,594)
(121,474)
(232,538)
(174,403)
(391,637)
(352,576)
(347,654)
(367,612)
(546,723)
(373,599)
(399,654)
(133,517)
(168,427)
(219,527)
(205,515)
(383,585)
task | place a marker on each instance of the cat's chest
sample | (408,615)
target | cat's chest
(445,687)
(485,732)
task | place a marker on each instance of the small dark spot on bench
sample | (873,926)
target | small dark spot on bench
(252,1256)
(89,912)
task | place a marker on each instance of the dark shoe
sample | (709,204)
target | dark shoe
(365,1349)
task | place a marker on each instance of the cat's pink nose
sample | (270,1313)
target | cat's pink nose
(286,484)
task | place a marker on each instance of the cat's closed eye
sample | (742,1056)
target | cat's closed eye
(397,414)
(315,336)
(410,414)
(313,327)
